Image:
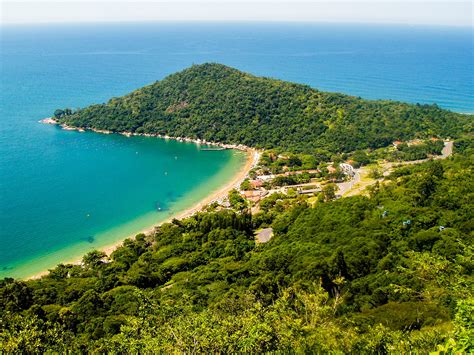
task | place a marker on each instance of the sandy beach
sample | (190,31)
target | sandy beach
(217,195)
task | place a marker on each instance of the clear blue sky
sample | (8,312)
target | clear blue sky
(430,12)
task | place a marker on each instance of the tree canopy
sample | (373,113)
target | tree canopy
(221,104)
(388,272)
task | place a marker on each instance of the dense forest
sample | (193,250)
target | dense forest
(221,104)
(387,272)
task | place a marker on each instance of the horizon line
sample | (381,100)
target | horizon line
(197,21)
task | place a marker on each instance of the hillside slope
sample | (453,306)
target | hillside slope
(387,273)
(221,104)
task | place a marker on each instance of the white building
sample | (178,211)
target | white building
(266,177)
(347,169)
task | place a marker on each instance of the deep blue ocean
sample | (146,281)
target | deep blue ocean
(62,193)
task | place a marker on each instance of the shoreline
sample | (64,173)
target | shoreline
(214,196)
(241,147)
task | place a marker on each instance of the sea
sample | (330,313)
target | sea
(64,193)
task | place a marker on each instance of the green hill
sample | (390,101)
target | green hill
(221,104)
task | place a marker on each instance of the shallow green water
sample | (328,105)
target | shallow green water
(89,190)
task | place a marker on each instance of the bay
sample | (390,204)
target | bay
(63,193)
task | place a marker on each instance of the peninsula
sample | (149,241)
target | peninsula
(219,104)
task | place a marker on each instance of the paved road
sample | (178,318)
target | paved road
(348,185)
(447,150)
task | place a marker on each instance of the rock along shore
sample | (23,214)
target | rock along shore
(52,121)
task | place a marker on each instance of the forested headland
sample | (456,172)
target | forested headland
(386,271)
(221,104)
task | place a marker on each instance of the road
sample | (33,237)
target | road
(447,150)
(348,185)
(345,187)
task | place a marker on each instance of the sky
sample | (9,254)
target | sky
(418,12)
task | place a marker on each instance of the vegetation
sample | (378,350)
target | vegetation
(316,164)
(272,163)
(418,151)
(218,103)
(387,272)
(291,180)
(391,272)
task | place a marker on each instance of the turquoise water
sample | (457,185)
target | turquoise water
(62,193)
(80,191)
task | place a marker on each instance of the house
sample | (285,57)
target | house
(309,192)
(256,183)
(266,177)
(331,169)
(414,142)
(254,196)
(226,204)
